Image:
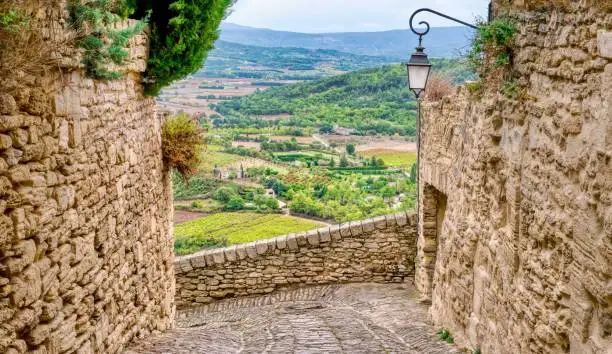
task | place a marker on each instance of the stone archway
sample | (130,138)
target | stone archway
(432,210)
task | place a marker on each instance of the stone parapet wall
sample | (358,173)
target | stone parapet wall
(521,194)
(86,260)
(374,250)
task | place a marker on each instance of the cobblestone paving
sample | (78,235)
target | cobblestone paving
(352,318)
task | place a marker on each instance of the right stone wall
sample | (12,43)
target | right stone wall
(515,220)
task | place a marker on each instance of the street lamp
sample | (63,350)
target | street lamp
(419,69)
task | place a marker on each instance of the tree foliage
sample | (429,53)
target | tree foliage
(182,34)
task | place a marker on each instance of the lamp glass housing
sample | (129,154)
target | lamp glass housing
(419,68)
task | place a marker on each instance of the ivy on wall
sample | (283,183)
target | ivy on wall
(102,44)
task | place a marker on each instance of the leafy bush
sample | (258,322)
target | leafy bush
(265,203)
(235,203)
(224,194)
(183,32)
(181,137)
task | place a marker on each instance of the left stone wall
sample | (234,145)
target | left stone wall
(86,260)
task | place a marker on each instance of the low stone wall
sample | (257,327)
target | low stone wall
(374,250)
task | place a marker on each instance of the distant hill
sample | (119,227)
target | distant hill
(442,42)
(371,101)
(233,60)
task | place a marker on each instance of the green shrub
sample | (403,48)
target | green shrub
(183,32)
(181,137)
(197,205)
(235,203)
(224,194)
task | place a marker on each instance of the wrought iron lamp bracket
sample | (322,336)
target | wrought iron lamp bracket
(427,27)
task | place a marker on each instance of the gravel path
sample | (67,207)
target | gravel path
(352,318)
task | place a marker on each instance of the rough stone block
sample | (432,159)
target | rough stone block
(281,242)
(292,243)
(604,44)
(401,219)
(390,219)
(313,238)
(412,219)
(262,247)
(345,230)
(210,259)
(380,222)
(368,225)
(198,261)
(334,232)
(251,251)
(230,254)
(301,239)
(241,252)
(5,142)
(324,235)
(356,228)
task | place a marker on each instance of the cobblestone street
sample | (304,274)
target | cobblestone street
(352,318)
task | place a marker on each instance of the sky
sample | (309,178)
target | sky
(319,16)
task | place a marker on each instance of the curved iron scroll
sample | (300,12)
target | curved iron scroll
(421,34)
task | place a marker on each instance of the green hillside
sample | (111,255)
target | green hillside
(371,101)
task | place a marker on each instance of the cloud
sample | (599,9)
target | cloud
(348,15)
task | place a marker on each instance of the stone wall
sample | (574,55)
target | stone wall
(86,259)
(375,250)
(516,199)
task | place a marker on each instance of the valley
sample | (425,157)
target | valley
(295,138)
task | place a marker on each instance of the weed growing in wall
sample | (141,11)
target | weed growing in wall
(491,55)
(103,45)
(492,46)
(23,48)
(445,335)
(181,137)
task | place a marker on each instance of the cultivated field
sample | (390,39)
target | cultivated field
(299,139)
(209,159)
(393,158)
(247,144)
(387,144)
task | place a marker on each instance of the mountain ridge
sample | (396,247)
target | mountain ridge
(440,42)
